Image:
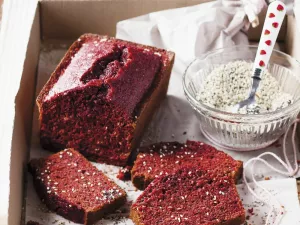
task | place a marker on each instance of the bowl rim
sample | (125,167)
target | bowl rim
(237,117)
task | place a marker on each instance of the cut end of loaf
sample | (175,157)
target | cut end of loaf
(89,103)
(73,188)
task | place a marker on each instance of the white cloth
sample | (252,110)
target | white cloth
(189,31)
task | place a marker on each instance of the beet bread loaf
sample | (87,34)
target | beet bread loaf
(167,157)
(73,188)
(101,96)
(189,196)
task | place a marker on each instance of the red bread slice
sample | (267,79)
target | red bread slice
(73,188)
(165,158)
(101,96)
(189,196)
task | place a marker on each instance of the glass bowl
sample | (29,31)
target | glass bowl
(243,132)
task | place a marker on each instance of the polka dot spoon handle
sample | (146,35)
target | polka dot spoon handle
(274,18)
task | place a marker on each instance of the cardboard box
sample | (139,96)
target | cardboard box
(1,2)
(60,21)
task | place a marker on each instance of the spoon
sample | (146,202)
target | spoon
(274,18)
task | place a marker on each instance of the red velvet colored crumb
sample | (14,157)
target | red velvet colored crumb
(93,100)
(73,188)
(189,196)
(112,64)
(167,157)
(251,211)
(125,173)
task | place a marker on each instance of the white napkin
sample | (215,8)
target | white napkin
(285,192)
(188,31)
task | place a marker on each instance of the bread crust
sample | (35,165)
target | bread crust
(139,212)
(134,216)
(141,182)
(142,179)
(62,206)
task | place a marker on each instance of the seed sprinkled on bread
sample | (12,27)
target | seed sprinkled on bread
(167,157)
(101,97)
(189,196)
(73,188)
